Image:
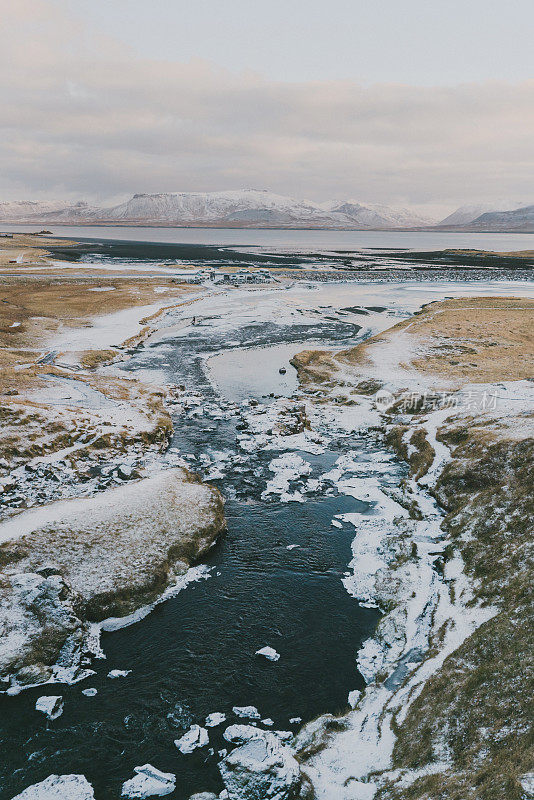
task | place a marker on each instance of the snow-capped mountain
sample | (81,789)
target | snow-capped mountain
(519,219)
(17,210)
(375,215)
(246,207)
(56,211)
(256,207)
(241,208)
(466,214)
(73,212)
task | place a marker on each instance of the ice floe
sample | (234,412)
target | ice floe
(287,468)
(261,767)
(148,782)
(118,673)
(269,653)
(237,734)
(59,787)
(246,712)
(50,705)
(214,719)
(195,737)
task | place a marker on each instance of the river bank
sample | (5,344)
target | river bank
(436,718)
(69,433)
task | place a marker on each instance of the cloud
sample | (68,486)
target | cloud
(83,115)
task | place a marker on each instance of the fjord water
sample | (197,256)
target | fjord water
(294,239)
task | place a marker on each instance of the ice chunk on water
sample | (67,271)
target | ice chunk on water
(262,767)
(269,653)
(212,720)
(237,734)
(194,738)
(118,673)
(247,712)
(59,787)
(148,782)
(50,705)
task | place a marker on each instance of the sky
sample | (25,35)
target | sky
(424,104)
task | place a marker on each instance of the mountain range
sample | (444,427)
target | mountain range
(257,208)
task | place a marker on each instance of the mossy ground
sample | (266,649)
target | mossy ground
(476,712)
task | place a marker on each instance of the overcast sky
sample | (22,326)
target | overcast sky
(415,102)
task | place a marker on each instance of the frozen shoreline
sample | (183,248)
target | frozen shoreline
(115,555)
(429,613)
(47,602)
(394,662)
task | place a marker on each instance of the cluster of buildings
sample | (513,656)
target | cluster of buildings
(237,278)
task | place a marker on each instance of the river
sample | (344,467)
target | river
(275,578)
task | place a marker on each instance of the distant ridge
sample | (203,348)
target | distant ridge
(520,220)
(256,208)
(465,215)
(241,208)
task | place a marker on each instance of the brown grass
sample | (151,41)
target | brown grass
(466,340)
(32,248)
